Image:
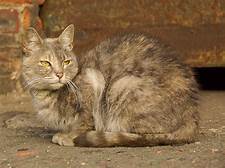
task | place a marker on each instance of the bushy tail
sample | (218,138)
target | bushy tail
(186,134)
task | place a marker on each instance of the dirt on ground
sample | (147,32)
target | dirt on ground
(25,143)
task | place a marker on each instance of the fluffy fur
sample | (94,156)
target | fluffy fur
(129,90)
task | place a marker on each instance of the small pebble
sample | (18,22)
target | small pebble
(213,130)
(193,161)
(83,164)
(215,150)
(158,152)
(9,165)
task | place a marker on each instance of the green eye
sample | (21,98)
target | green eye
(66,62)
(45,63)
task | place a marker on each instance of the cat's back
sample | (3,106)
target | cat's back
(142,72)
(138,55)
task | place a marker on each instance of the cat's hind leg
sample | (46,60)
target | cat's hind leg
(132,106)
(138,115)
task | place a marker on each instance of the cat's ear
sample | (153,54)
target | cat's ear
(66,38)
(32,41)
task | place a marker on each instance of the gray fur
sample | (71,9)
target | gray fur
(130,90)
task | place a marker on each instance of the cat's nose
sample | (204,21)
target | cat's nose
(59,74)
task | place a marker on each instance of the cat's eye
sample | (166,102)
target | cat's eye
(45,63)
(66,62)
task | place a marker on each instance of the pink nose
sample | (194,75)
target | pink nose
(59,74)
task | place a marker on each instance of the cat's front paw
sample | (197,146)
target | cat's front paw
(63,139)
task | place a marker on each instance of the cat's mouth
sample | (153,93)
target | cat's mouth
(56,85)
(54,81)
(60,81)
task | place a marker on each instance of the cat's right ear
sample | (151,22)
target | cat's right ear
(32,41)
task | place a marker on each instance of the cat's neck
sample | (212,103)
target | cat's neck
(44,100)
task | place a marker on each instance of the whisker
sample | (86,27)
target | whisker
(72,88)
(32,82)
(75,86)
(67,86)
(75,93)
(48,77)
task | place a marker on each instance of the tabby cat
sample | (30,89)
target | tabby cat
(129,90)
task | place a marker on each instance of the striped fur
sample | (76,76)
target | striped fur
(130,90)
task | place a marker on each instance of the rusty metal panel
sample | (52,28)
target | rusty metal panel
(195,28)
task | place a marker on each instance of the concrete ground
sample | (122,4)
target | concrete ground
(24,143)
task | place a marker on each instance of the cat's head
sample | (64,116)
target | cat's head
(49,63)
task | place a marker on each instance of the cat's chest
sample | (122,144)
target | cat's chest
(43,101)
(45,105)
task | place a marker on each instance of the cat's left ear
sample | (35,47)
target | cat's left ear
(66,37)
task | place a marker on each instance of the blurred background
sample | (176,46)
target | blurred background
(196,29)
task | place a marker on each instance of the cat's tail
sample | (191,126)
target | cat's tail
(186,134)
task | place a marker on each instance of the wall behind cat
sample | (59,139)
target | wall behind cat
(15,17)
(196,29)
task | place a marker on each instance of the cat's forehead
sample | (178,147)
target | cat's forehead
(53,43)
(54,49)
